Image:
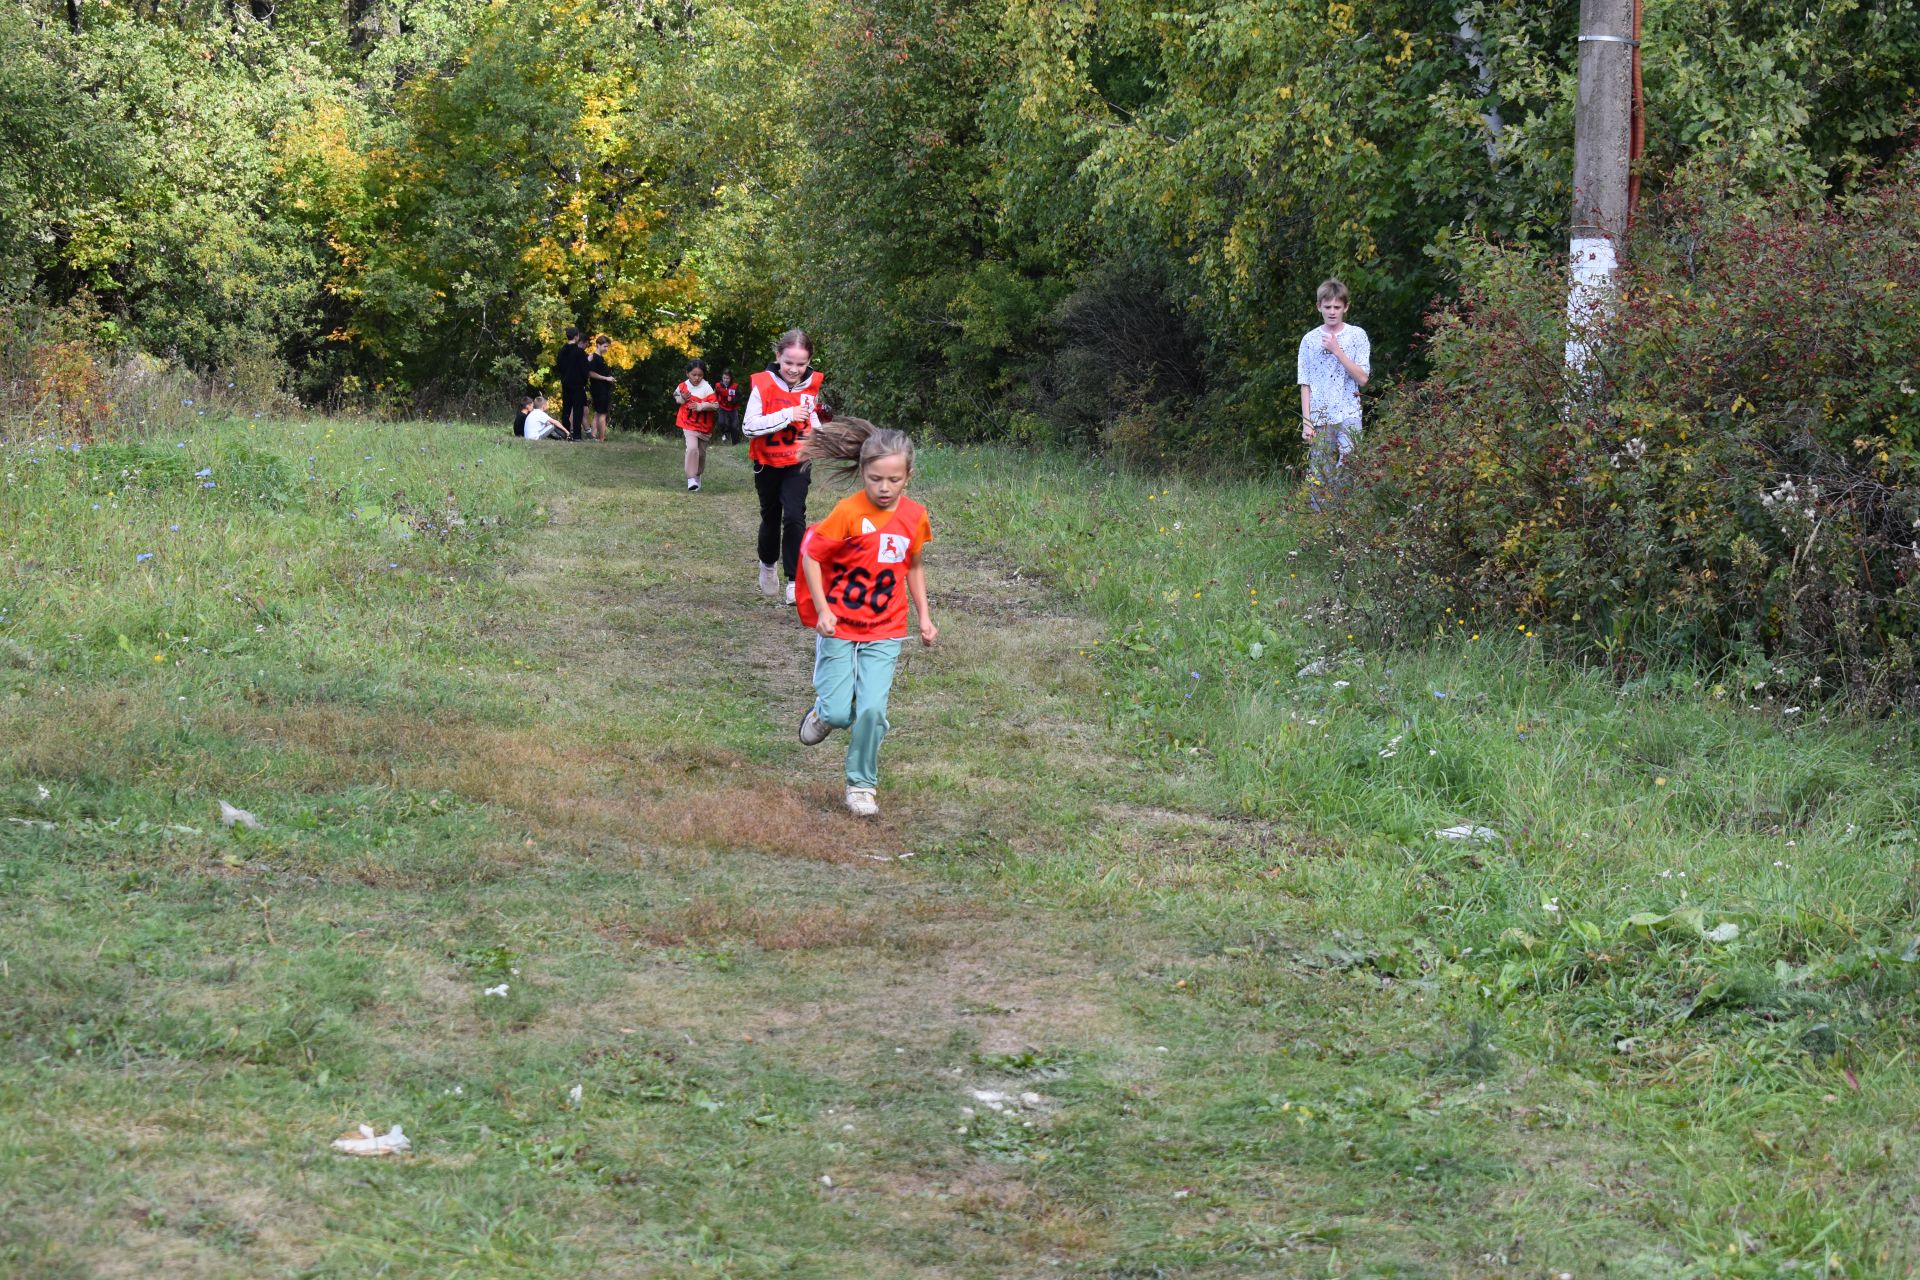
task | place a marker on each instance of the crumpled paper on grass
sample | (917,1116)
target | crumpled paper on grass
(365,1142)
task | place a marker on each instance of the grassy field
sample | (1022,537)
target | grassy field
(1157,872)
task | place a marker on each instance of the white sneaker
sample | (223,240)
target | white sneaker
(813,730)
(769,580)
(789,593)
(861,804)
(693,486)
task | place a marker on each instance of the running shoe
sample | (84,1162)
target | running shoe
(693,486)
(861,804)
(789,593)
(769,580)
(813,729)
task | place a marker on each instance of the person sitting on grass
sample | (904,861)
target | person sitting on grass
(542,427)
(854,564)
(520,418)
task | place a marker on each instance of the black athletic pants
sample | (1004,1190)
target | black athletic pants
(783,514)
(573,409)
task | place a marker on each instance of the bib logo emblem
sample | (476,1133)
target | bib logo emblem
(893,548)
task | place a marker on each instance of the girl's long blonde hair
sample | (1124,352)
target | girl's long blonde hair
(849,444)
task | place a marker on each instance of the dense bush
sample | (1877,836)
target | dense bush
(1743,488)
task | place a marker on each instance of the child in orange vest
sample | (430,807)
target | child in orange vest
(698,403)
(862,567)
(783,405)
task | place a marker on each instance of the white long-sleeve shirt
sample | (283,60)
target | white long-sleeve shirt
(755,421)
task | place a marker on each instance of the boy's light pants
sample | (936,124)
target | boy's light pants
(851,679)
(1326,457)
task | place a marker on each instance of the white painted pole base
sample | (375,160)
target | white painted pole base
(1593,266)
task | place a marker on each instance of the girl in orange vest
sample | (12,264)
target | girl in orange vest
(862,567)
(783,405)
(698,402)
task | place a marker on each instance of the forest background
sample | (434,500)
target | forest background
(1010,217)
(1095,223)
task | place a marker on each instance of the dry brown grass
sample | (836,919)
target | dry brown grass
(768,928)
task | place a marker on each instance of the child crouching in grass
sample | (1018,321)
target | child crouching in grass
(854,564)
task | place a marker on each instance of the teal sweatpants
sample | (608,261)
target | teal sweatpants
(851,679)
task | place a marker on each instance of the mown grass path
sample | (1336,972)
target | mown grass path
(743,1034)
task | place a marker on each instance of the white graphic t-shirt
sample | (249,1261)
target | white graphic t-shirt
(1331,393)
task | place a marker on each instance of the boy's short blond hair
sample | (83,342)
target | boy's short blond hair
(1330,290)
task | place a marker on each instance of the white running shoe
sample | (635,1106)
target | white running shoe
(769,580)
(813,730)
(861,804)
(693,486)
(789,593)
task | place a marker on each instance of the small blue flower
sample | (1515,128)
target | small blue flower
(181,445)
(390,565)
(96,506)
(186,402)
(1194,674)
(206,484)
(203,473)
(173,528)
(142,557)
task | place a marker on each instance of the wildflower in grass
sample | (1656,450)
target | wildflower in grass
(1551,906)
(203,473)
(143,557)
(173,528)
(1659,782)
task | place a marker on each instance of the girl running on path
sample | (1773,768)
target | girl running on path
(698,403)
(856,561)
(782,407)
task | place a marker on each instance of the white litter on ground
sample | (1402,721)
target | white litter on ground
(232,817)
(1467,831)
(365,1142)
(500,990)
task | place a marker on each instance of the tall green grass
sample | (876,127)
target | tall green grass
(284,555)
(1667,851)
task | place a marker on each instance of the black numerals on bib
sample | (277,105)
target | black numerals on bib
(859,589)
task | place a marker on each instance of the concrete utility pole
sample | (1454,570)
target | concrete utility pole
(1602,141)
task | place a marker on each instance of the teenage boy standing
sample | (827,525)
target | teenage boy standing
(1335,362)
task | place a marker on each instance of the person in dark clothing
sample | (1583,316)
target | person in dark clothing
(600,384)
(571,365)
(520,418)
